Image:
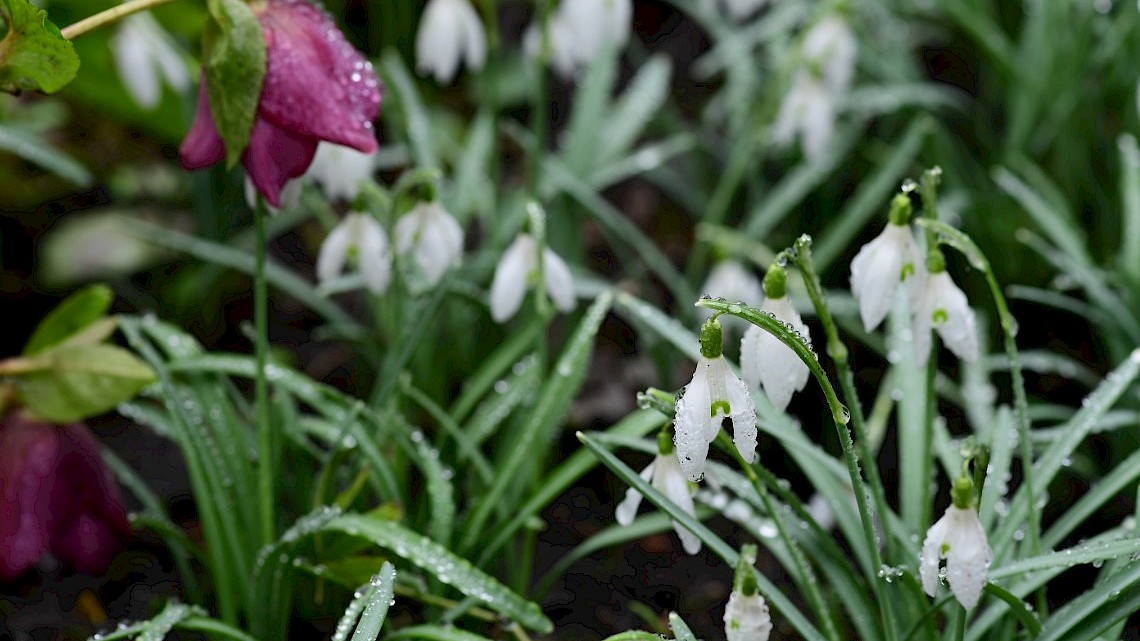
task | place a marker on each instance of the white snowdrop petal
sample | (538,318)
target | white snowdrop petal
(559,282)
(131,50)
(746,618)
(877,270)
(373,254)
(930,555)
(670,481)
(333,253)
(817,124)
(779,369)
(752,356)
(508,287)
(627,510)
(958,328)
(743,417)
(692,424)
(960,535)
(339,170)
(475,38)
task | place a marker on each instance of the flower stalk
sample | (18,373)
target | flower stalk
(110,16)
(261,383)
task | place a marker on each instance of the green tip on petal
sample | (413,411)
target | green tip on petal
(664,442)
(748,586)
(963,493)
(935,261)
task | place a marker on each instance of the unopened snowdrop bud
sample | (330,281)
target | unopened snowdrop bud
(339,170)
(883,263)
(959,538)
(766,361)
(746,617)
(450,32)
(714,393)
(359,235)
(518,267)
(433,238)
(941,305)
(144,57)
(664,473)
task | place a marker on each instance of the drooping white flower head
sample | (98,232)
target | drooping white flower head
(732,281)
(809,108)
(714,393)
(450,32)
(664,473)
(959,538)
(144,56)
(339,170)
(579,30)
(892,257)
(746,617)
(434,240)
(942,306)
(361,236)
(517,268)
(768,363)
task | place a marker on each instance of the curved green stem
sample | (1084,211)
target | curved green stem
(807,581)
(838,353)
(113,14)
(964,244)
(841,417)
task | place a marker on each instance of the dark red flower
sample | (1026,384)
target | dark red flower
(55,495)
(317,87)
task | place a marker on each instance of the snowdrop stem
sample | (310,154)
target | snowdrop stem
(838,353)
(541,100)
(261,384)
(805,577)
(103,18)
(841,417)
(953,237)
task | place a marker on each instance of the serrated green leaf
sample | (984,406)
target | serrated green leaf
(445,566)
(75,313)
(83,381)
(33,54)
(234,61)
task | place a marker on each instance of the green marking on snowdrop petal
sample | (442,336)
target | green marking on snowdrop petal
(720,406)
(906,272)
(939,316)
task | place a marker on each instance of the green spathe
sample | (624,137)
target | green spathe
(33,54)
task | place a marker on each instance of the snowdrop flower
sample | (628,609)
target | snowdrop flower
(434,239)
(959,538)
(290,195)
(765,361)
(746,617)
(732,281)
(664,473)
(941,305)
(450,31)
(518,267)
(809,108)
(339,170)
(883,263)
(144,56)
(714,392)
(579,30)
(361,235)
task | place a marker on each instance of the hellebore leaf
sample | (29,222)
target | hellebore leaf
(81,381)
(234,60)
(33,54)
(74,315)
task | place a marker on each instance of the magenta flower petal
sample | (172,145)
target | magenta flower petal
(274,157)
(55,495)
(316,83)
(202,146)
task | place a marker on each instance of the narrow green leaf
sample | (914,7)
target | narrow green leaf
(635,635)
(76,312)
(1129,258)
(996,485)
(1057,225)
(591,106)
(1086,553)
(34,56)
(382,588)
(680,628)
(437,633)
(234,61)
(158,627)
(84,381)
(418,120)
(550,410)
(1123,476)
(445,566)
(660,323)
(1098,607)
(35,149)
(640,101)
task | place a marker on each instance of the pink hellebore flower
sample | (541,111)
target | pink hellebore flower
(55,495)
(317,87)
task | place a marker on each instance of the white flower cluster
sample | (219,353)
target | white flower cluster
(450,32)
(959,538)
(935,301)
(822,79)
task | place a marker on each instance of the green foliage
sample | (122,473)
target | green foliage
(33,54)
(234,60)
